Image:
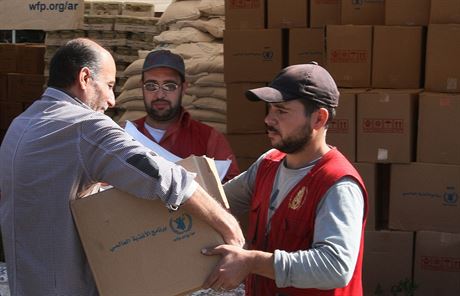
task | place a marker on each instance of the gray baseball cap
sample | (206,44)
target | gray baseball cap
(164,58)
(304,81)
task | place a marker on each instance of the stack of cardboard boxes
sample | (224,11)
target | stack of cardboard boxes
(21,79)
(396,65)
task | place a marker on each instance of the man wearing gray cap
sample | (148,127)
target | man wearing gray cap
(167,123)
(307,204)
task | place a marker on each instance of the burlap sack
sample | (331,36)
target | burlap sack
(209,64)
(182,10)
(183,35)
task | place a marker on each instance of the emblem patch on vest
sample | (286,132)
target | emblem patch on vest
(298,199)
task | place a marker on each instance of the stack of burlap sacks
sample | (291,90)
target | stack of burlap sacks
(121,26)
(194,31)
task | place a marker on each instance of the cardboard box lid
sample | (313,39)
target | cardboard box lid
(137,247)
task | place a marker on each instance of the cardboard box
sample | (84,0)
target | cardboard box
(362,12)
(25,87)
(244,116)
(306,45)
(342,129)
(376,178)
(3,87)
(387,262)
(349,55)
(445,12)
(244,14)
(324,12)
(442,68)
(438,111)
(8,111)
(30,58)
(283,15)
(252,55)
(437,263)
(368,172)
(7,58)
(425,197)
(407,12)
(404,46)
(120,233)
(249,145)
(386,126)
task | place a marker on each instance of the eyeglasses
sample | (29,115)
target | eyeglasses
(167,87)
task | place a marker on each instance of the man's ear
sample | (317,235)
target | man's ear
(83,77)
(320,118)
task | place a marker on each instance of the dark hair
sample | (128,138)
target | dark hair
(312,106)
(70,59)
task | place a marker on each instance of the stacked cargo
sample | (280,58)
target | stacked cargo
(396,65)
(21,79)
(121,26)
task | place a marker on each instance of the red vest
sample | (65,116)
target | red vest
(192,135)
(293,223)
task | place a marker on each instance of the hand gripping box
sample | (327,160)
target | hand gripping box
(137,247)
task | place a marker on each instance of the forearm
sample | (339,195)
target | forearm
(201,205)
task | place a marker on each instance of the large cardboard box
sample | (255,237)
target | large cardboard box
(8,111)
(30,58)
(244,116)
(287,15)
(368,172)
(324,12)
(387,262)
(3,87)
(407,12)
(442,68)
(252,55)
(306,45)
(363,12)
(438,111)
(244,14)
(386,126)
(349,55)
(404,45)
(376,178)
(425,197)
(25,87)
(137,247)
(7,58)
(249,145)
(342,129)
(437,263)
(445,12)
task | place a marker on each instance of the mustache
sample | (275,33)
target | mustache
(270,128)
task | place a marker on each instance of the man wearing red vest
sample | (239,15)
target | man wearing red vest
(167,123)
(307,204)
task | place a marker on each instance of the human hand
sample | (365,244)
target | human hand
(232,269)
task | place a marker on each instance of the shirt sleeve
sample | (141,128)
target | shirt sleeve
(109,154)
(331,261)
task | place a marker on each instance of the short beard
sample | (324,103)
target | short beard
(296,143)
(173,112)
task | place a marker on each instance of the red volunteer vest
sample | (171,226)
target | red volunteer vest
(293,223)
(192,135)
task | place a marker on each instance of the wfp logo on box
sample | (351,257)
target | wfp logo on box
(182,226)
(450,197)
